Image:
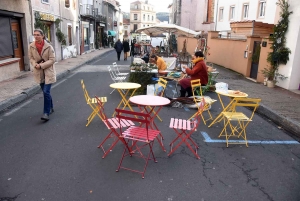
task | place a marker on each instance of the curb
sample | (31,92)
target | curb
(285,122)
(6,104)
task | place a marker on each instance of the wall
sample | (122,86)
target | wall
(189,10)
(10,69)
(191,44)
(291,69)
(222,51)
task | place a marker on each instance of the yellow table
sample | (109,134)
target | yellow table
(120,86)
(232,94)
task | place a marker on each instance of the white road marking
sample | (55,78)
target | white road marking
(17,108)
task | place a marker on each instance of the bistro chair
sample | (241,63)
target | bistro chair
(92,102)
(138,138)
(117,71)
(113,125)
(159,91)
(115,78)
(184,129)
(238,121)
(195,84)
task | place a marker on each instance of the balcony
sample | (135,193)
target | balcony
(100,18)
(87,10)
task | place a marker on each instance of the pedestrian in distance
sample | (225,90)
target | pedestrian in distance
(42,57)
(126,49)
(199,71)
(119,48)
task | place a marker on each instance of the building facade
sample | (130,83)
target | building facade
(142,14)
(15,34)
(197,15)
(239,20)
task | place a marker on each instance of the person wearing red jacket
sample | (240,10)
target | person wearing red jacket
(199,71)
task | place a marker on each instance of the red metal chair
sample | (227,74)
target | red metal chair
(137,138)
(112,124)
(184,129)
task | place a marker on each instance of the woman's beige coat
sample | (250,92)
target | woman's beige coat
(47,72)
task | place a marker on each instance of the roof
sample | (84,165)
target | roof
(136,2)
(170,5)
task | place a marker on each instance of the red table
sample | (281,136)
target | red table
(156,103)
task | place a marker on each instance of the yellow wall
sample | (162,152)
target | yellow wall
(191,44)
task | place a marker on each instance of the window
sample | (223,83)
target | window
(221,14)
(45,1)
(262,8)
(135,6)
(152,18)
(126,33)
(148,17)
(70,34)
(143,25)
(231,13)
(135,26)
(144,17)
(67,3)
(135,16)
(148,8)
(144,7)
(245,11)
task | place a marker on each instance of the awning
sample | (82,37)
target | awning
(111,33)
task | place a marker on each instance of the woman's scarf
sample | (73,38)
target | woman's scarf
(39,46)
(197,60)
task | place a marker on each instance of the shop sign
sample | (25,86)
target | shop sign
(47,17)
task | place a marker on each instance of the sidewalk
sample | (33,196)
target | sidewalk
(16,90)
(279,105)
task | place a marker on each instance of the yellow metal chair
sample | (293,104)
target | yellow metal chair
(92,102)
(162,83)
(195,84)
(238,121)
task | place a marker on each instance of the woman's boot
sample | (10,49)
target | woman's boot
(189,91)
(182,92)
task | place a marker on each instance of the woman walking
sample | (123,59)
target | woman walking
(42,58)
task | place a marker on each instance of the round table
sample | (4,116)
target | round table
(120,86)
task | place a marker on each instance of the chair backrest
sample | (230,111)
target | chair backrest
(200,106)
(111,73)
(163,83)
(246,102)
(115,67)
(195,84)
(138,117)
(101,109)
(85,93)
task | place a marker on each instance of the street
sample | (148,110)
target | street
(59,160)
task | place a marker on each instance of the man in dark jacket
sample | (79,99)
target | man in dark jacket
(126,49)
(119,48)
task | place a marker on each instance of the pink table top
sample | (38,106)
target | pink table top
(149,100)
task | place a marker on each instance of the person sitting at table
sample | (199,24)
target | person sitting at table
(199,71)
(161,64)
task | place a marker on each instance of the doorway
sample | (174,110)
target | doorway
(255,60)
(17,44)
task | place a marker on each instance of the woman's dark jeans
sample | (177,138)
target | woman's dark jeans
(48,105)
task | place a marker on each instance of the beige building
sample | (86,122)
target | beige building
(142,14)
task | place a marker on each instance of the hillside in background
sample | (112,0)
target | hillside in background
(162,16)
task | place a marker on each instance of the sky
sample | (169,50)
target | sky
(160,5)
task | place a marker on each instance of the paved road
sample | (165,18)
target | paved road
(59,160)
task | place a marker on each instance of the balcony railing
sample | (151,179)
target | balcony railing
(87,10)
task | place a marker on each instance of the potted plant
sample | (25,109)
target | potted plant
(280,53)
